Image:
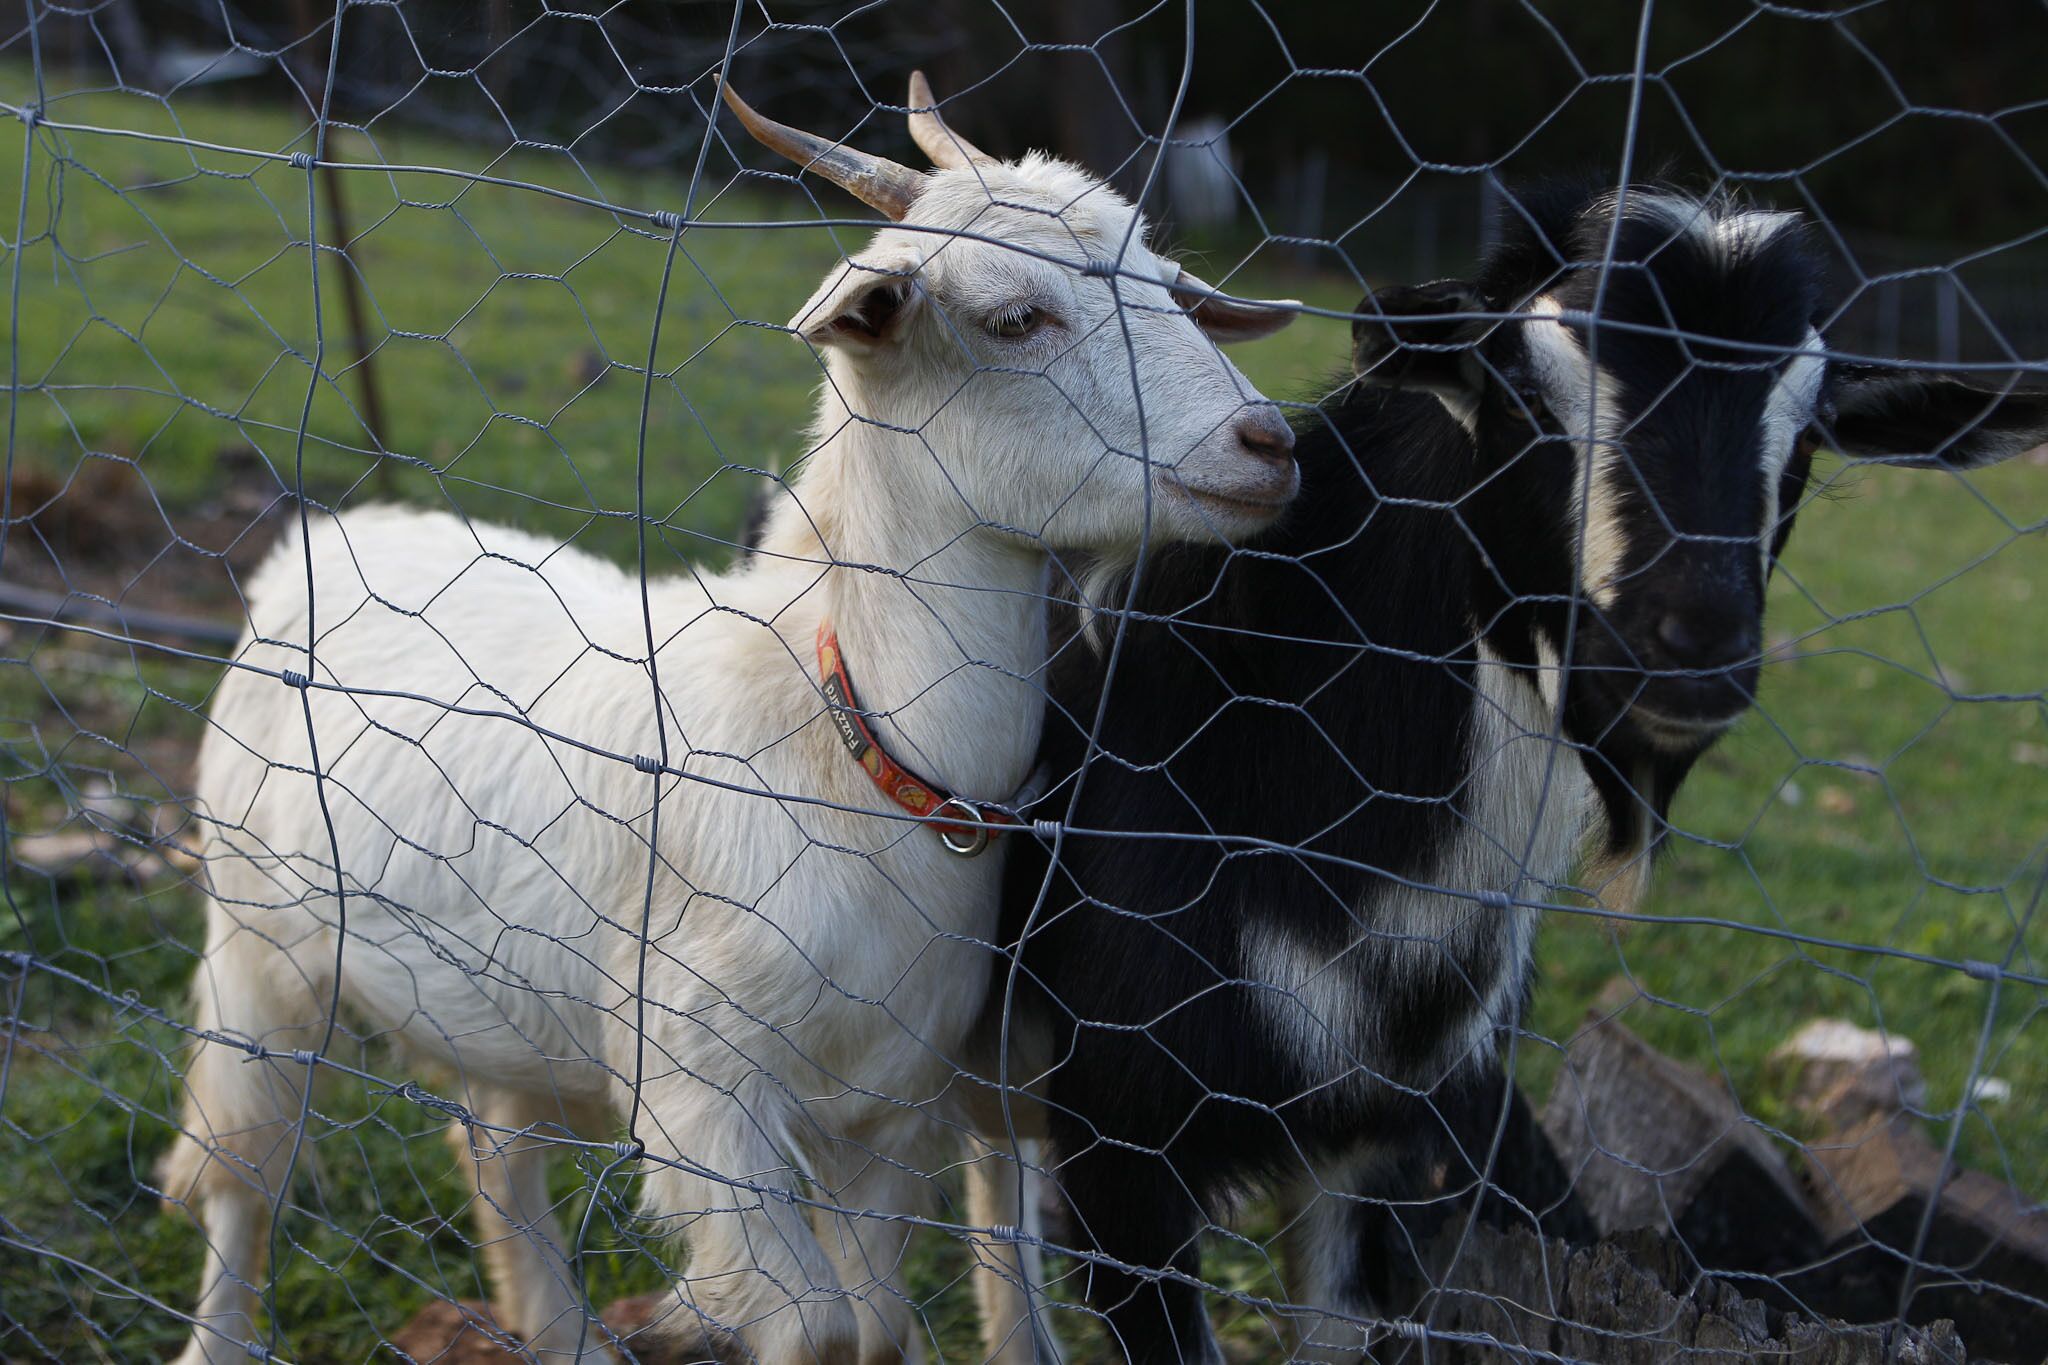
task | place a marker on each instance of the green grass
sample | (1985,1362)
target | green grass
(165,316)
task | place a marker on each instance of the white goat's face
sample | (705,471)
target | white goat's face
(1070,406)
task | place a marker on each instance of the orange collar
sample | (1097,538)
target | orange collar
(970,824)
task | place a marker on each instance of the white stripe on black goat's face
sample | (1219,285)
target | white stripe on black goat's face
(1646,470)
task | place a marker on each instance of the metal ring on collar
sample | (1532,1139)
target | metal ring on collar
(965,842)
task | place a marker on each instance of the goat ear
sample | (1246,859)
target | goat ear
(1929,421)
(866,304)
(1227,320)
(1403,337)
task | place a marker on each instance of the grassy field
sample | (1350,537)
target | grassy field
(1892,790)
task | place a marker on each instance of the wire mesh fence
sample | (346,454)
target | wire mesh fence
(631,733)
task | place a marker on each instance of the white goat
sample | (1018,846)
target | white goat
(781,1022)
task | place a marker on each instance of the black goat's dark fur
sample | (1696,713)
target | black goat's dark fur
(1317,695)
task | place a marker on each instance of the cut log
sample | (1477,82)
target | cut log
(1984,1263)
(1840,1074)
(1635,1300)
(1656,1144)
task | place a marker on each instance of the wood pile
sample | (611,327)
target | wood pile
(1873,1225)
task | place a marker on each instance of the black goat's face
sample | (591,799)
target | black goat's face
(1677,456)
(1647,431)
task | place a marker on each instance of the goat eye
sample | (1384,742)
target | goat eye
(1018,320)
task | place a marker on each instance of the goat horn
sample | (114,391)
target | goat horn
(948,150)
(874,180)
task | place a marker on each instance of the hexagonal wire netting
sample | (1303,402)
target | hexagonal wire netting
(444,922)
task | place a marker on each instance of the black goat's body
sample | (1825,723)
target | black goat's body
(1271,1003)
(1339,765)
(1389,726)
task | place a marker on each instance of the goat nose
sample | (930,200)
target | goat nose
(1701,640)
(1266,436)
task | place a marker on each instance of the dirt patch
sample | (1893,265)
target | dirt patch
(94,546)
(99,529)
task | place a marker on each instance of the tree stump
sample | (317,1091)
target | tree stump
(1636,1300)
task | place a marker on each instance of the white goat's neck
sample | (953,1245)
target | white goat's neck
(941,622)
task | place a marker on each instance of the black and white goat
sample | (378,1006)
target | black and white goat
(1505,618)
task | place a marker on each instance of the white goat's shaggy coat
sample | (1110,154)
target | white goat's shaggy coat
(810,972)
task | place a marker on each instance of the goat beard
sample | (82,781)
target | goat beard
(1619,879)
(1635,799)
